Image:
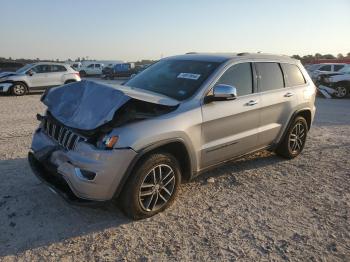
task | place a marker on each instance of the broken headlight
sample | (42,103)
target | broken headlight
(108,141)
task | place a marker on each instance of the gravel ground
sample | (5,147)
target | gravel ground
(260,207)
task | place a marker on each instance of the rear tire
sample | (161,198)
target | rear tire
(82,73)
(294,141)
(18,89)
(152,187)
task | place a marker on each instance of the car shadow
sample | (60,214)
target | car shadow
(32,216)
(253,161)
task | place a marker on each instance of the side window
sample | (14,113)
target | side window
(325,68)
(293,75)
(41,69)
(91,66)
(58,68)
(270,76)
(239,76)
(97,65)
(338,67)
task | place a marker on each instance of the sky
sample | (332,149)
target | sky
(132,30)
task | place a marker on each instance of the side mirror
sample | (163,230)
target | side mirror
(222,92)
(30,72)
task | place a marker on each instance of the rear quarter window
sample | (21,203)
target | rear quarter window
(58,68)
(294,77)
(338,67)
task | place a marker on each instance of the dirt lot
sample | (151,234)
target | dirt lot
(259,208)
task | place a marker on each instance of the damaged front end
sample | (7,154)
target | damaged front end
(70,144)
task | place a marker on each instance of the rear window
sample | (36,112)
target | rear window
(293,75)
(270,76)
(338,67)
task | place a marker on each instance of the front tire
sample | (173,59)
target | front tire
(294,141)
(152,187)
(340,92)
(18,89)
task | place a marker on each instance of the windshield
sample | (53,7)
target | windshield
(24,68)
(178,79)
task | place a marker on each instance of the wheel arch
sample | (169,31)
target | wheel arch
(177,147)
(70,81)
(305,113)
(344,83)
(21,82)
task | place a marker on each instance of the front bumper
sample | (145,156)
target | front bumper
(5,87)
(58,168)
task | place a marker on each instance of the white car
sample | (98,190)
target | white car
(339,81)
(37,76)
(325,68)
(91,69)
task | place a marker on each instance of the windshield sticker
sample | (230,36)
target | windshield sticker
(189,76)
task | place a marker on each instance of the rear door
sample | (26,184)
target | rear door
(230,127)
(278,99)
(56,75)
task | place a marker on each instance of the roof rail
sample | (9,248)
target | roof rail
(242,54)
(191,53)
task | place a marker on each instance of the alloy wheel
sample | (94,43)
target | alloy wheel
(19,89)
(157,188)
(340,91)
(297,138)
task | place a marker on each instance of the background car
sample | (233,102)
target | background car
(319,69)
(339,81)
(91,69)
(37,76)
(120,70)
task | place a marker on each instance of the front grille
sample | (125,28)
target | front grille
(62,135)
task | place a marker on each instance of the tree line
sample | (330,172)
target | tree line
(312,58)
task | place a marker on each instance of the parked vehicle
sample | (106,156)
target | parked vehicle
(107,71)
(77,66)
(324,69)
(171,122)
(339,82)
(91,69)
(120,70)
(37,76)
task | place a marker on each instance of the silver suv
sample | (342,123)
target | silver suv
(37,76)
(181,116)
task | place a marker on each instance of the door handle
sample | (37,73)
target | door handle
(289,94)
(252,103)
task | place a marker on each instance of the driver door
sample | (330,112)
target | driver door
(40,78)
(230,128)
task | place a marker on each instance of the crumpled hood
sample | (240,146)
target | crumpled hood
(86,105)
(7,74)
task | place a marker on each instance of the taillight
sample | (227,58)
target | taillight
(77,74)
